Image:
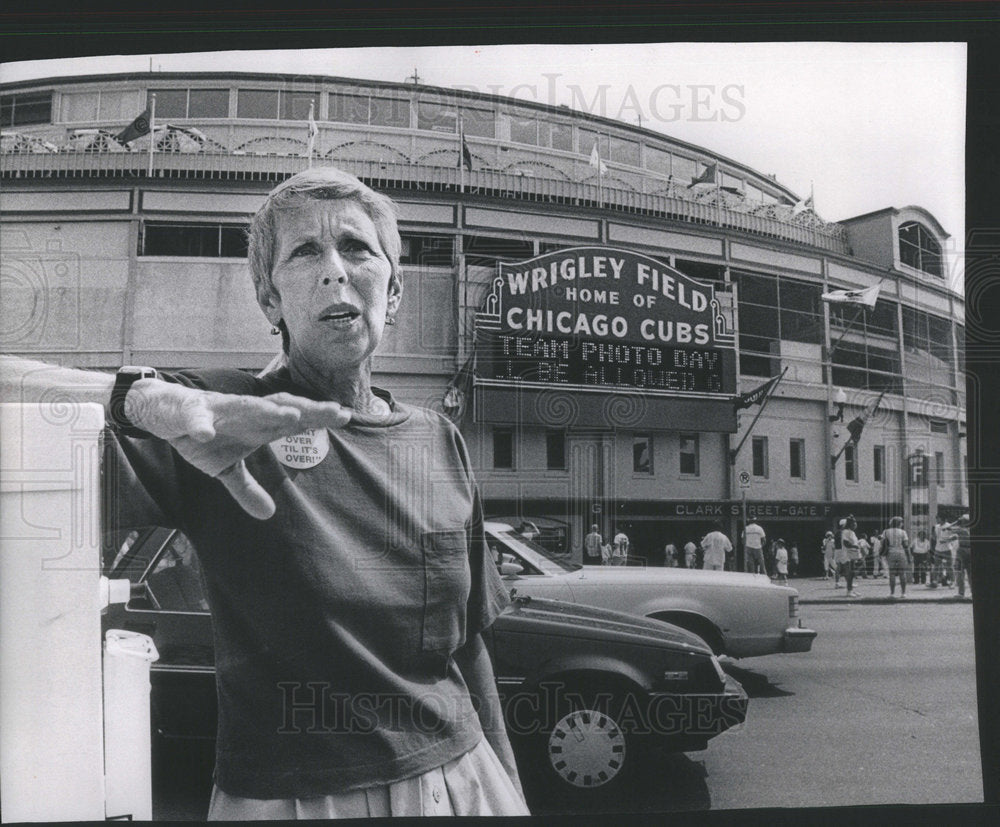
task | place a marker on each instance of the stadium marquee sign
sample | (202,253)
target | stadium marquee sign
(604,319)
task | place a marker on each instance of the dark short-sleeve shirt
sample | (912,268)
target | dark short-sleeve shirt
(334,620)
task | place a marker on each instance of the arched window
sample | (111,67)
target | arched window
(919,249)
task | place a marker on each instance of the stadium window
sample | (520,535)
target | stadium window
(555,450)
(642,454)
(688,454)
(657,160)
(683,170)
(486,251)
(194,240)
(479,122)
(524,130)
(428,250)
(348,108)
(187,103)
(919,249)
(939,468)
(261,104)
(701,270)
(622,151)
(437,117)
(759,450)
(26,109)
(797,459)
(588,138)
(294,106)
(387,111)
(503,448)
(878,463)
(851,463)
(939,426)
(560,136)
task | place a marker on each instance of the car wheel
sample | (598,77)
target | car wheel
(587,753)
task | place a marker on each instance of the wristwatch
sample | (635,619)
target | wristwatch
(124,379)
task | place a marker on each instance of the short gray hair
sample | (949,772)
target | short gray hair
(317,183)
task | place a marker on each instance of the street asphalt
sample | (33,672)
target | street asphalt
(873,591)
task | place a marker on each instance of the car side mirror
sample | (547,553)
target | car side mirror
(508,569)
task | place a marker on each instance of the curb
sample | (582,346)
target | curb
(881,601)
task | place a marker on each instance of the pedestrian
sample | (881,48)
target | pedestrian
(866,549)
(619,549)
(963,554)
(606,554)
(879,566)
(921,557)
(941,572)
(753,548)
(781,560)
(793,559)
(716,545)
(769,559)
(897,550)
(829,566)
(670,556)
(690,554)
(592,546)
(849,553)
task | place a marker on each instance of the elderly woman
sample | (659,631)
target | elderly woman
(339,533)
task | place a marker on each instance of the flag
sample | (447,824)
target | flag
(138,127)
(857,425)
(313,130)
(867,297)
(802,206)
(754,397)
(707,177)
(466,155)
(596,162)
(456,396)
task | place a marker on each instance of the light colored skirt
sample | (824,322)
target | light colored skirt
(474,784)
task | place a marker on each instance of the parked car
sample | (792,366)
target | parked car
(552,535)
(587,694)
(18,142)
(740,615)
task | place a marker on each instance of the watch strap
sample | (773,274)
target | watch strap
(127,376)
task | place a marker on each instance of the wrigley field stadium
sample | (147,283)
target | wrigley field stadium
(597,306)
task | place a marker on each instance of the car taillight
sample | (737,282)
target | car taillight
(793,606)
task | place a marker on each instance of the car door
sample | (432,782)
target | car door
(168,605)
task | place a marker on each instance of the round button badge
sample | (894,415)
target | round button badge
(303,450)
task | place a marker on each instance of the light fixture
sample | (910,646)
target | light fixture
(840,399)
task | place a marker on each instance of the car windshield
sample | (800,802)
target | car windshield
(530,552)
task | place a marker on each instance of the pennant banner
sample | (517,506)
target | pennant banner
(754,397)
(867,297)
(136,129)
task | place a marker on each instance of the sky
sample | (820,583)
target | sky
(863,126)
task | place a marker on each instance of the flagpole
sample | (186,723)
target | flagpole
(152,130)
(461,154)
(763,404)
(311,127)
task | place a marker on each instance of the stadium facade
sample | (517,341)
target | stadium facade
(134,253)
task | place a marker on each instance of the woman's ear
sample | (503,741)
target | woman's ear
(270,303)
(395,295)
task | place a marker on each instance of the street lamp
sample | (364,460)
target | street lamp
(840,399)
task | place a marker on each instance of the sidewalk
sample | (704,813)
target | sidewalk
(872,591)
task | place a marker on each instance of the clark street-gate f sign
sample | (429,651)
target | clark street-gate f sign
(587,323)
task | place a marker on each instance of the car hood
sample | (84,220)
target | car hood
(586,621)
(653,575)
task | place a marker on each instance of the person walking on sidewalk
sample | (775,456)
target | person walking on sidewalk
(897,545)
(716,545)
(865,547)
(753,548)
(781,560)
(943,536)
(921,557)
(963,555)
(690,555)
(879,566)
(850,552)
(829,567)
